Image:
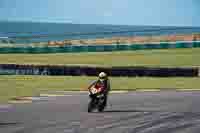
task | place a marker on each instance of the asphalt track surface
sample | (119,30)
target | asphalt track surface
(136,112)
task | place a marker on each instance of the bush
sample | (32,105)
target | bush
(4,41)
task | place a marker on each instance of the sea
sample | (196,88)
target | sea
(31,32)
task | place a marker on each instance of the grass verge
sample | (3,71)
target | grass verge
(157,58)
(14,86)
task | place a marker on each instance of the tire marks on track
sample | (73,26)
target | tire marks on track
(155,122)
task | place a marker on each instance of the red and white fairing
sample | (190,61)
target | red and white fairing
(97,88)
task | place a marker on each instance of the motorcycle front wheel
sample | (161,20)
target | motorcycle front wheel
(102,106)
(91,106)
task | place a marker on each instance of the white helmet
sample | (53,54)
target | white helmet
(102,76)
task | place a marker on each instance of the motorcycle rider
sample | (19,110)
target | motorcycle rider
(102,82)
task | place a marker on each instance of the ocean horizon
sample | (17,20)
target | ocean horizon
(29,32)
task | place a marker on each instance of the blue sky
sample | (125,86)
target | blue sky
(123,12)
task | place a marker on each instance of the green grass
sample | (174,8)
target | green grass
(13,86)
(162,58)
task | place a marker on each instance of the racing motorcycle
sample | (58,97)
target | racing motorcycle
(97,99)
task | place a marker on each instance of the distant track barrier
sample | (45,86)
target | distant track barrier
(98,48)
(14,69)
